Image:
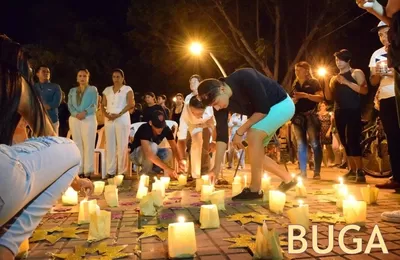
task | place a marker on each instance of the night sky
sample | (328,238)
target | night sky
(22,21)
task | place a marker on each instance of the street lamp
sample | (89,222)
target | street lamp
(196,49)
(174,99)
(322,72)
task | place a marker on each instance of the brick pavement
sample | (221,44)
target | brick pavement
(210,244)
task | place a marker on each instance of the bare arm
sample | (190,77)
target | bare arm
(219,157)
(361,86)
(103,106)
(375,78)
(329,87)
(130,103)
(317,97)
(145,144)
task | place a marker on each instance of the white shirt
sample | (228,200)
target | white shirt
(188,122)
(188,97)
(117,101)
(236,121)
(386,86)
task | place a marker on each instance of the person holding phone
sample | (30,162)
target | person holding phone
(268,107)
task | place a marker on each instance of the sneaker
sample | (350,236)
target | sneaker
(389,185)
(350,175)
(317,176)
(284,187)
(360,177)
(391,216)
(247,194)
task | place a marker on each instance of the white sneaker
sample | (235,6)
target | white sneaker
(391,216)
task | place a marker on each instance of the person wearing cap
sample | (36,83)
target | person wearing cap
(345,89)
(145,150)
(268,107)
(385,102)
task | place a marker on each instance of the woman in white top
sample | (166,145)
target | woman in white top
(195,117)
(236,121)
(82,104)
(117,101)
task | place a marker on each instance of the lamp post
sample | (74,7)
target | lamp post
(196,49)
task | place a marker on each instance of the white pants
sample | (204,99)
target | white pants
(84,135)
(199,151)
(117,139)
(56,126)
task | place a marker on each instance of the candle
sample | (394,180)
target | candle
(370,195)
(144,179)
(159,185)
(199,184)
(300,188)
(277,201)
(100,225)
(354,212)
(181,239)
(111,195)
(146,205)
(70,197)
(166,181)
(300,216)
(237,179)
(341,195)
(236,188)
(341,180)
(157,198)
(218,199)
(118,179)
(142,191)
(206,191)
(98,187)
(245,181)
(265,183)
(209,217)
(85,209)
(182,180)
(206,179)
(293,175)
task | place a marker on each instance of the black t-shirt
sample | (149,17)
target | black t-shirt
(344,96)
(146,133)
(147,111)
(251,92)
(310,86)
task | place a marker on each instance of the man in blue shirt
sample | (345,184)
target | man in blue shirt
(50,93)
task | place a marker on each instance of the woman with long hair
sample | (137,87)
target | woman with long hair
(118,100)
(306,94)
(268,107)
(176,110)
(326,119)
(82,104)
(35,172)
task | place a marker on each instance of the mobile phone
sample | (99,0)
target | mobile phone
(245,144)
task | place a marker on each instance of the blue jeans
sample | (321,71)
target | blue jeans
(138,157)
(312,128)
(33,176)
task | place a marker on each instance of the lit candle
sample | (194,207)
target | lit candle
(181,239)
(277,201)
(85,209)
(341,195)
(182,180)
(141,192)
(300,188)
(98,187)
(144,179)
(159,185)
(341,180)
(265,183)
(245,181)
(218,198)
(70,197)
(293,175)
(337,187)
(206,191)
(370,195)
(100,224)
(206,179)
(199,184)
(111,195)
(209,217)
(118,179)
(166,181)
(354,212)
(237,179)
(300,215)
(236,188)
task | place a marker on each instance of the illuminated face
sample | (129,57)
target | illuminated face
(383,36)
(160,101)
(340,63)
(221,102)
(149,100)
(43,74)
(300,72)
(197,112)
(117,78)
(179,100)
(82,78)
(194,84)
(322,107)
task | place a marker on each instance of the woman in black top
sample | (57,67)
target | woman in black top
(306,94)
(176,110)
(152,106)
(268,107)
(136,115)
(345,89)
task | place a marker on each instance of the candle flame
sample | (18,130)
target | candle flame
(299,180)
(181,219)
(301,203)
(341,180)
(293,175)
(265,175)
(351,198)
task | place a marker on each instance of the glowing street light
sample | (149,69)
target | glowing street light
(196,48)
(322,72)
(174,99)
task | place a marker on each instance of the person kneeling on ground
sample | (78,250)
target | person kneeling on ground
(145,150)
